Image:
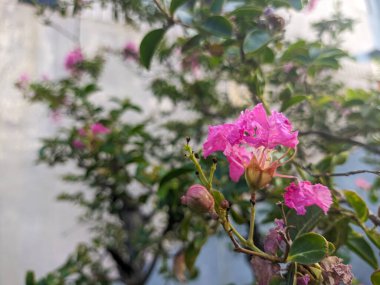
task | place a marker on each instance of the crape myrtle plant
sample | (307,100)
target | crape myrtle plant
(216,58)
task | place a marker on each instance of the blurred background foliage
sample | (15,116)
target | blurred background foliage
(196,51)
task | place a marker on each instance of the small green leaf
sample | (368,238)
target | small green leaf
(29,278)
(255,40)
(218,26)
(292,101)
(331,248)
(247,10)
(360,246)
(192,42)
(175,4)
(308,248)
(358,204)
(375,277)
(149,45)
(373,235)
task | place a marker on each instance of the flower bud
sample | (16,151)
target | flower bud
(198,199)
(258,176)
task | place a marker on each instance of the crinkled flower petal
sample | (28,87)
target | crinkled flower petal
(304,194)
(269,132)
(219,137)
(73,59)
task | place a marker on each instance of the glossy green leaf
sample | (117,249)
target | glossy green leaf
(175,4)
(375,277)
(308,248)
(360,246)
(149,46)
(255,40)
(218,26)
(331,248)
(292,101)
(358,204)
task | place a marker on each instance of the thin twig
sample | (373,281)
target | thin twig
(328,136)
(327,174)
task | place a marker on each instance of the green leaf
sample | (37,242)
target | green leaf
(308,248)
(149,45)
(331,248)
(218,26)
(375,277)
(29,278)
(255,40)
(217,6)
(358,204)
(296,4)
(373,235)
(247,10)
(192,42)
(292,101)
(360,246)
(192,252)
(175,4)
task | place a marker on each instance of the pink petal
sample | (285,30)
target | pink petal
(219,137)
(73,58)
(238,157)
(99,128)
(305,194)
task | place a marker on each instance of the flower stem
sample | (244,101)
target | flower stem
(252,219)
(201,174)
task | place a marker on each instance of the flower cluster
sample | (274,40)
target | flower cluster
(89,134)
(73,60)
(251,139)
(250,144)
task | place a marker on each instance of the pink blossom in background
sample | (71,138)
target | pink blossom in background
(131,51)
(82,132)
(99,128)
(250,136)
(287,67)
(363,184)
(72,60)
(274,240)
(304,280)
(304,194)
(78,144)
(23,81)
(312,5)
(56,116)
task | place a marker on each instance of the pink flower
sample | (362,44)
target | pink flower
(73,59)
(363,184)
(23,81)
(304,280)
(304,194)
(78,144)
(82,132)
(99,128)
(131,51)
(199,199)
(312,5)
(274,240)
(249,141)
